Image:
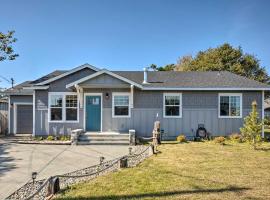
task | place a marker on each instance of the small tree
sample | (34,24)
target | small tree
(252,128)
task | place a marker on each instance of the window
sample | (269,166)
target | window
(121,107)
(56,106)
(71,107)
(172,105)
(63,107)
(230,105)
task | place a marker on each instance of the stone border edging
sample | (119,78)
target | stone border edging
(41,187)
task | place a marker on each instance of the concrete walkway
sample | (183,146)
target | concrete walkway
(18,161)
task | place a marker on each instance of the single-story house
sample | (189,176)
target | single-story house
(99,100)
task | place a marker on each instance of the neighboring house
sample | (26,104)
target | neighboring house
(98,100)
(267,108)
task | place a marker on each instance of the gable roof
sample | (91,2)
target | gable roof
(104,71)
(193,80)
(66,73)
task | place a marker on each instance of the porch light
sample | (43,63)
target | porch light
(107,95)
(34,176)
(101,159)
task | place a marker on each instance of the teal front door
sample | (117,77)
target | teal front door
(93,113)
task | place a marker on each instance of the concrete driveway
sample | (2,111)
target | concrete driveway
(18,161)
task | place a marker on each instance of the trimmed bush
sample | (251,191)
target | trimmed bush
(236,137)
(64,138)
(50,138)
(220,140)
(181,138)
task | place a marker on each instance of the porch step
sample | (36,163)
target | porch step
(101,138)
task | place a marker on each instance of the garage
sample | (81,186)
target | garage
(24,119)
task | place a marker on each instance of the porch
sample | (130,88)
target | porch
(104,138)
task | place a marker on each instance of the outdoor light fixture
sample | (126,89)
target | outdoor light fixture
(34,176)
(107,95)
(101,159)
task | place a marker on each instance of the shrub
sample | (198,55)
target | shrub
(50,138)
(39,138)
(64,138)
(252,128)
(220,140)
(236,137)
(181,138)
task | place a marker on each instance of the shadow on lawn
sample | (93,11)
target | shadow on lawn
(161,194)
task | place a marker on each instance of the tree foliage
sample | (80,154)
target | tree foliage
(252,127)
(169,67)
(222,58)
(6,48)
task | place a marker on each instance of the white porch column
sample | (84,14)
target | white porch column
(131,95)
(80,95)
(263,112)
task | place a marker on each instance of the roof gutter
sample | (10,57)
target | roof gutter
(206,89)
(36,88)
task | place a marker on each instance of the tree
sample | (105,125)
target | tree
(169,67)
(6,48)
(251,131)
(225,58)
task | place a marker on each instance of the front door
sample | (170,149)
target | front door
(93,113)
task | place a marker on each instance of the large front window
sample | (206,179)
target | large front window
(121,107)
(172,105)
(63,107)
(230,105)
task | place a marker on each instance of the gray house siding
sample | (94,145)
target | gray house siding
(198,108)
(105,81)
(17,99)
(60,84)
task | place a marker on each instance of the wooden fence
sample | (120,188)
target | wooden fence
(3,117)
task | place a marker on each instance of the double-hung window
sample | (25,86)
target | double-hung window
(121,105)
(172,105)
(230,105)
(56,107)
(71,108)
(63,107)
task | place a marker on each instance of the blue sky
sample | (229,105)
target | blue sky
(127,34)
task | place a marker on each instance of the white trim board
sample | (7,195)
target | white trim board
(206,89)
(15,104)
(104,71)
(68,73)
(9,132)
(84,109)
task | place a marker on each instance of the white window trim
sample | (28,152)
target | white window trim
(101,105)
(63,107)
(129,104)
(230,95)
(180,105)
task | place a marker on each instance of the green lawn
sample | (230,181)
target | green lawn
(201,170)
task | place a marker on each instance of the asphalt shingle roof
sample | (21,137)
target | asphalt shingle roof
(172,79)
(210,79)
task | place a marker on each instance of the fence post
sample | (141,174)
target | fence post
(123,162)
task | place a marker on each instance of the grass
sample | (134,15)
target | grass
(195,170)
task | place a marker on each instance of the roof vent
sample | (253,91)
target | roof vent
(145,80)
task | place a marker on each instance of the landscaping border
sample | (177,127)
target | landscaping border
(45,188)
